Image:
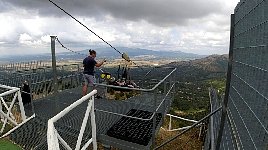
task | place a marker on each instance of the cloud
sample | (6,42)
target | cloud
(25,37)
(4,6)
(198,26)
(27,40)
(157,12)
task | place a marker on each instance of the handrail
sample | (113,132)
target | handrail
(194,125)
(52,135)
(9,92)
(8,116)
(165,97)
(164,79)
(144,90)
(140,89)
(153,114)
(181,118)
(7,87)
(177,117)
(19,125)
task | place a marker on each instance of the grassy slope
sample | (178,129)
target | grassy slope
(8,145)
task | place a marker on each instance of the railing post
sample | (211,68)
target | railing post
(165,87)
(83,126)
(170,121)
(154,119)
(165,102)
(55,84)
(53,137)
(93,125)
(22,111)
(1,109)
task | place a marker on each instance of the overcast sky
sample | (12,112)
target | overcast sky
(195,26)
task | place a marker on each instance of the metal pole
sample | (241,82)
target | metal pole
(165,87)
(154,119)
(165,102)
(1,109)
(55,85)
(228,81)
(211,122)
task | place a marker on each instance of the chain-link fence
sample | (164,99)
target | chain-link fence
(244,119)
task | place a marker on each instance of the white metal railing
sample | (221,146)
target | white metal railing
(7,115)
(180,118)
(53,136)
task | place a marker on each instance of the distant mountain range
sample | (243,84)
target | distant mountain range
(212,63)
(137,52)
(213,66)
(133,53)
(108,53)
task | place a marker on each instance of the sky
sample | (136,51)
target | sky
(192,26)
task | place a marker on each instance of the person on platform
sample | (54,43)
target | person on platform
(89,64)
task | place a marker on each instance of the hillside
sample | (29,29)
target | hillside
(212,63)
(214,66)
(211,67)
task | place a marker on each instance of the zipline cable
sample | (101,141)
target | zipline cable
(85,26)
(124,56)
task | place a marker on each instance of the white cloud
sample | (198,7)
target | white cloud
(46,39)
(206,34)
(25,37)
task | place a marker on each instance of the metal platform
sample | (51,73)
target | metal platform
(32,135)
(153,95)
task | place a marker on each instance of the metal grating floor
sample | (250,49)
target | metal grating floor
(134,130)
(32,135)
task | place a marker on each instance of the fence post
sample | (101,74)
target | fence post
(55,84)
(228,81)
